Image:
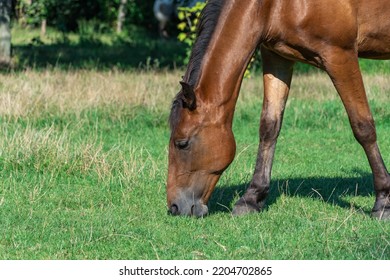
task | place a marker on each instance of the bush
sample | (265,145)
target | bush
(189,18)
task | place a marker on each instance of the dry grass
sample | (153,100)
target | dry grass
(319,87)
(31,101)
(31,93)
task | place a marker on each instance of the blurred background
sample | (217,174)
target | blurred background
(106,34)
(94,34)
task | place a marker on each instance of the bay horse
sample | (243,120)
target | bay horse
(328,34)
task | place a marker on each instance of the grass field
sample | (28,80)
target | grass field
(83,164)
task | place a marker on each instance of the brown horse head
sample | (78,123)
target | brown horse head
(201,147)
(202,144)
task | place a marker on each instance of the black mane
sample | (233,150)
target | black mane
(208,21)
(205,30)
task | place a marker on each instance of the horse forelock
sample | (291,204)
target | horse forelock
(206,26)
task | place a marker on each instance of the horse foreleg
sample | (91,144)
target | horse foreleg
(277,79)
(343,68)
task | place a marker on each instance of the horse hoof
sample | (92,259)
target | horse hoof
(242,210)
(242,207)
(381,214)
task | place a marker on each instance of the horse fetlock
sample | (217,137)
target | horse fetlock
(248,204)
(383,214)
(381,208)
(243,207)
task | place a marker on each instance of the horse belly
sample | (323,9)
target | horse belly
(374,45)
(374,29)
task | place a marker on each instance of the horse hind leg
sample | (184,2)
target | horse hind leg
(277,79)
(343,68)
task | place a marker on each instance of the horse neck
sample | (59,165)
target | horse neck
(231,47)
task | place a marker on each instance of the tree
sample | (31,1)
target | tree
(121,15)
(68,15)
(5,32)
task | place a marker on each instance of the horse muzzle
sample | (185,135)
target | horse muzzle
(188,207)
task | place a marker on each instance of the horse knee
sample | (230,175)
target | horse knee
(364,131)
(269,128)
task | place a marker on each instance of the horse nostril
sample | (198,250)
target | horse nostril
(199,210)
(174,210)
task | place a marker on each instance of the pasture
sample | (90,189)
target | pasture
(83,165)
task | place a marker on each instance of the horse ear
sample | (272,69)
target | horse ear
(189,98)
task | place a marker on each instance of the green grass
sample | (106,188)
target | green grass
(83,165)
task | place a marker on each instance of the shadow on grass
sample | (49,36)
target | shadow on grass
(139,49)
(145,51)
(141,54)
(329,190)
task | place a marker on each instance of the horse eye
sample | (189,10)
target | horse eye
(182,144)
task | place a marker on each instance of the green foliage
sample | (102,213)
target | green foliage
(189,18)
(66,14)
(33,12)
